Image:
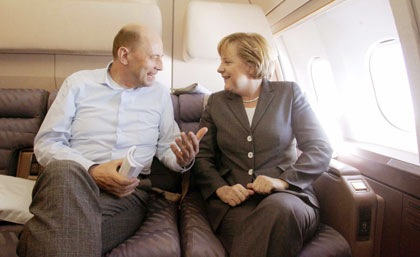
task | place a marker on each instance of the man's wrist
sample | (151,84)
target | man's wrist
(91,168)
(188,167)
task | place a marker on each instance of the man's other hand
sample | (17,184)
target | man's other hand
(107,178)
(188,147)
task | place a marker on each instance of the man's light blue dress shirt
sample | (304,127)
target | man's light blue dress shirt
(94,120)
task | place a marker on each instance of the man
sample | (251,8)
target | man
(82,206)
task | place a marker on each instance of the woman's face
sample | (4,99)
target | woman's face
(234,71)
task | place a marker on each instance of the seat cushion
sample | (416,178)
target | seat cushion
(9,238)
(327,242)
(15,198)
(157,237)
(197,237)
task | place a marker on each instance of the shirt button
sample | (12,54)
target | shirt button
(250,155)
(249,138)
(250,171)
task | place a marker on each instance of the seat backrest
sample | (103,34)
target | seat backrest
(21,115)
(187,110)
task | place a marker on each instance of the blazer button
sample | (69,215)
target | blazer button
(250,171)
(249,138)
(250,155)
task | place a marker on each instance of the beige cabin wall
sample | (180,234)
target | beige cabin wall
(44,44)
(35,68)
(27,71)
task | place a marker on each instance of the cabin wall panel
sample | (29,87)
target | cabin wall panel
(407,19)
(267,5)
(395,186)
(283,9)
(410,233)
(65,65)
(45,60)
(166,8)
(346,36)
(27,71)
(391,227)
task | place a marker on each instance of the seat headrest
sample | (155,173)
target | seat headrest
(219,20)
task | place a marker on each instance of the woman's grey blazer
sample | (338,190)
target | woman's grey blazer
(234,152)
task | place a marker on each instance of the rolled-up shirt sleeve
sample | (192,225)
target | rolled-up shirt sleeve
(52,140)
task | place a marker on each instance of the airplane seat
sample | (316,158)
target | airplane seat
(21,115)
(197,237)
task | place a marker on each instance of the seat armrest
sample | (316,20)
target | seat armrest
(342,169)
(349,205)
(197,237)
(27,166)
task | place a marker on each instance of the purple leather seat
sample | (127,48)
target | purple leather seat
(197,237)
(157,237)
(21,115)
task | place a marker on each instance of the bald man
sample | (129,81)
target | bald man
(82,206)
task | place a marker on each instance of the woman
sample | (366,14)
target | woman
(258,193)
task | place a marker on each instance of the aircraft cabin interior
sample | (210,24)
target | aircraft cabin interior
(356,61)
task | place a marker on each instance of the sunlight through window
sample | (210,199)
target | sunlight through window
(328,106)
(390,82)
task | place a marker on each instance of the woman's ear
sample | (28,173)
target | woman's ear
(251,69)
(123,55)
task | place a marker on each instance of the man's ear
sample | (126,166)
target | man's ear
(123,55)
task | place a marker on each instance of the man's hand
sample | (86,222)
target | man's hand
(107,178)
(264,185)
(188,147)
(233,195)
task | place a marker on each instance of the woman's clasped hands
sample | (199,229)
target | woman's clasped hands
(236,194)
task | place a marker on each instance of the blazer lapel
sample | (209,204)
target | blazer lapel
(236,106)
(266,96)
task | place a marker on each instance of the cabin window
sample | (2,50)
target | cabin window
(322,80)
(349,62)
(327,104)
(390,84)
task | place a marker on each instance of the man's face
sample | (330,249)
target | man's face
(145,60)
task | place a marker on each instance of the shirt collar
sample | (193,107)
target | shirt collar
(107,80)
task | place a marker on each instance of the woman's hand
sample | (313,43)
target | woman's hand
(265,185)
(233,195)
(107,178)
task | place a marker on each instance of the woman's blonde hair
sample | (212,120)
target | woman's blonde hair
(251,48)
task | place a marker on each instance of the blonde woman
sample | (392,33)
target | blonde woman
(258,192)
